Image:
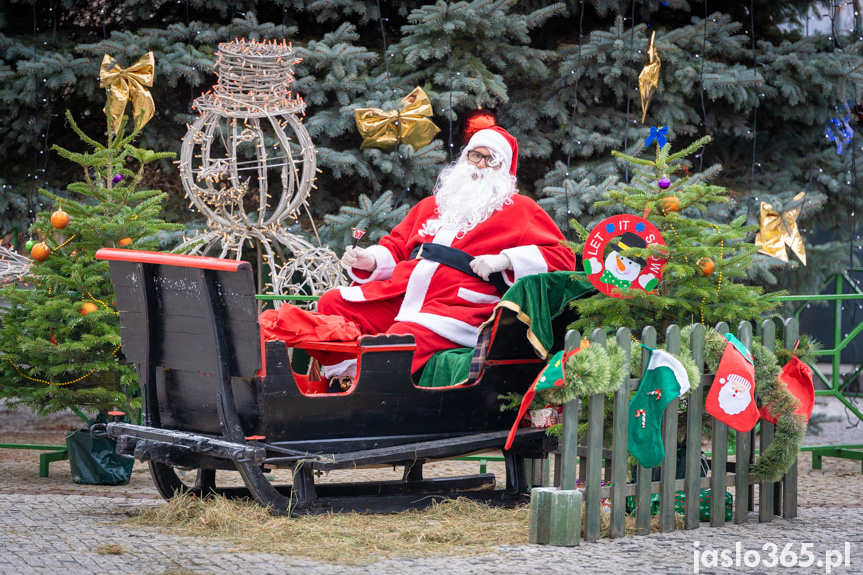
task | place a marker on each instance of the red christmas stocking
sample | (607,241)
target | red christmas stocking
(731,399)
(797,376)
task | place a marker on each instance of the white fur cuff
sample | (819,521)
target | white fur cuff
(526,261)
(384,265)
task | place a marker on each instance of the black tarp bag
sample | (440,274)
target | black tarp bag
(94,461)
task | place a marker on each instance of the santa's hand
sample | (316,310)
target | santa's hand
(484,266)
(358,258)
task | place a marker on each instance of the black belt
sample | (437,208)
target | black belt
(457,259)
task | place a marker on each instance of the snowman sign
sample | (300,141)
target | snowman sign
(606,266)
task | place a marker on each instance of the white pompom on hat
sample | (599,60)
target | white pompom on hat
(498,140)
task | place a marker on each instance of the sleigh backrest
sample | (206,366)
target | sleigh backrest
(184,320)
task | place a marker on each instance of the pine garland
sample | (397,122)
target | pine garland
(778,458)
(594,369)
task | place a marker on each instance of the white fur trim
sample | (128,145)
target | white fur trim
(415,294)
(421,276)
(526,261)
(352,293)
(457,331)
(493,141)
(384,265)
(417,288)
(659,358)
(476,297)
(347,367)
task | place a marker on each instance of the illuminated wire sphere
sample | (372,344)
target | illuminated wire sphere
(307,271)
(13,266)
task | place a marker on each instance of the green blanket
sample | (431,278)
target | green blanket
(536,300)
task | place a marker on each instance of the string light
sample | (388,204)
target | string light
(395,151)
(754,130)
(449,69)
(701,82)
(191,62)
(577,74)
(85,376)
(13,266)
(252,109)
(628,91)
(719,283)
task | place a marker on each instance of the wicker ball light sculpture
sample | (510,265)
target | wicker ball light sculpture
(248,176)
(13,266)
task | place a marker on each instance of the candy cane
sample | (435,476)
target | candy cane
(642,414)
(657,392)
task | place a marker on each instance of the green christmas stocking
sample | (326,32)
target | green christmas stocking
(664,379)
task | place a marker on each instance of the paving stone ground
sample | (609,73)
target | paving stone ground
(54,526)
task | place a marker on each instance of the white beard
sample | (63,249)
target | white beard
(466,196)
(729,402)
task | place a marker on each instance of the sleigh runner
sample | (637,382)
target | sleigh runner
(212,401)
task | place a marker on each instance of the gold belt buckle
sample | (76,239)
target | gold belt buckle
(420,252)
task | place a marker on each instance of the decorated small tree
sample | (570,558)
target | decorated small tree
(61,331)
(669,264)
(665,260)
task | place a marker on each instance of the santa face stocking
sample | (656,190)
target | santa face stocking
(731,399)
(664,379)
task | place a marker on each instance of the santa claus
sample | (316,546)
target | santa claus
(440,272)
(734,396)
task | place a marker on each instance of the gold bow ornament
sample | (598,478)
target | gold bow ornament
(648,79)
(409,124)
(129,85)
(780,229)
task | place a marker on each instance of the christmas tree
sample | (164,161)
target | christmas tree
(562,77)
(702,259)
(61,330)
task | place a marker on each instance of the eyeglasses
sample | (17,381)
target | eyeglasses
(475,157)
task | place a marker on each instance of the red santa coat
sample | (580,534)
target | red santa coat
(449,302)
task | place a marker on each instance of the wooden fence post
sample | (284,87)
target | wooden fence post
(669,441)
(694,414)
(743,448)
(790,335)
(766,489)
(719,459)
(593,481)
(569,451)
(644,474)
(619,441)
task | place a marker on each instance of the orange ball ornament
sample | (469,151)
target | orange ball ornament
(707,266)
(474,121)
(126,242)
(60,219)
(40,252)
(88,307)
(670,204)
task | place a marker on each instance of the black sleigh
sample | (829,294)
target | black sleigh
(212,401)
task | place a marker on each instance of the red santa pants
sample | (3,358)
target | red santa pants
(375,317)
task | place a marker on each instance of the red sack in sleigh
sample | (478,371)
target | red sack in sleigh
(294,325)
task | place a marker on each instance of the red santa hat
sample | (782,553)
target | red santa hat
(498,140)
